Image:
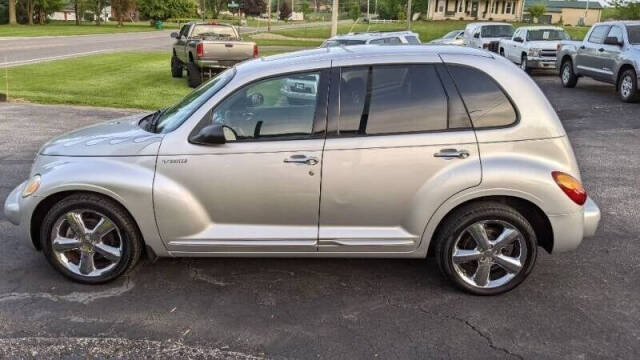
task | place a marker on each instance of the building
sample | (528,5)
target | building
(569,12)
(67,13)
(495,10)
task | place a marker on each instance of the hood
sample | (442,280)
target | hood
(544,45)
(120,137)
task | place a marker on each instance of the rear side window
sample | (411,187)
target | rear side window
(392,99)
(598,34)
(412,40)
(487,104)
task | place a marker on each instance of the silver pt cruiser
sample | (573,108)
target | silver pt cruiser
(403,153)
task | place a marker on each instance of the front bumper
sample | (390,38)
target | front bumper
(18,210)
(570,229)
(12,205)
(541,63)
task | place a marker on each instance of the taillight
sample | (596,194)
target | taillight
(255,50)
(200,50)
(570,186)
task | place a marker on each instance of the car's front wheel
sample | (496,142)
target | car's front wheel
(524,64)
(486,248)
(90,239)
(628,87)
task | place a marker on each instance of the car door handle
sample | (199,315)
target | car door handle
(582,47)
(601,49)
(301,159)
(452,154)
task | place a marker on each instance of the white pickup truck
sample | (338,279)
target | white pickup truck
(534,47)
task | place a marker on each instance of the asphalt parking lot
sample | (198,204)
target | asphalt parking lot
(579,305)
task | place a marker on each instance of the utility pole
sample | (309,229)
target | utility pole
(334,18)
(203,2)
(586,12)
(269,16)
(368,12)
(409,15)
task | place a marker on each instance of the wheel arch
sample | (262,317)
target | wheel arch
(41,209)
(532,212)
(624,67)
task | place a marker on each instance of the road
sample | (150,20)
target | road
(583,304)
(28,50)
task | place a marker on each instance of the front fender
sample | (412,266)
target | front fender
(128,180)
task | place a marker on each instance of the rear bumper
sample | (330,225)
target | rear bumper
(216,64)
(570,229)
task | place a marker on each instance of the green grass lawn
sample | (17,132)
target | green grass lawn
(70,28)
(123,80)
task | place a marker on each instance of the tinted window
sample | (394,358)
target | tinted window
(633,32)
(272,108)
(412,40)
(391,99)
(598,34)
(494,31)
(486,103)
(616,32)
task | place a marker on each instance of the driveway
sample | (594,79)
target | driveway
(583,304)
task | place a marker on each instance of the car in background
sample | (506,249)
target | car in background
(402,152)
(610,52)
(487,35)
(300,89)
(533,47)
(455,37)
(374,38)
(205,49)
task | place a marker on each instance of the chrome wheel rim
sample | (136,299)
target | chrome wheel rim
(86,243)
(566,74)
(489,254)
(626,86)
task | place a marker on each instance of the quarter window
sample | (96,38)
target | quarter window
(486,103)
(392,99)
(598,34)
(412,40)
(275,108)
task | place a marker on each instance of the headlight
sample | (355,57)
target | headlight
(32,186)
(534,52)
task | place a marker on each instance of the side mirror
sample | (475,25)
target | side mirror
(612,40)
(175,35)
(518,39)
(476,35)
(209,135)
(255,99)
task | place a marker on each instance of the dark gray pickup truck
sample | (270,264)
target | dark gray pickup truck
(205,49)
(610,53)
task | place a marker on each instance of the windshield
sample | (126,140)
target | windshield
(174,116)
(220,31)
(497,31)
(634,34)
(451,35)
(547,35)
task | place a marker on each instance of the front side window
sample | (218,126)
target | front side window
(391,99)
(412,40)
(616,32)
(486,103)
(598,34)
(276,108)
(633,32)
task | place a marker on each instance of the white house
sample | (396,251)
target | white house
(498,10)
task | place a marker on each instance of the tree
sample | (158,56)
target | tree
(354,12)
(215,6)
(164,9)
(79,8)
(254,7)
(536,11)
(120,8)
(626,10)
(12,12)
(285,10)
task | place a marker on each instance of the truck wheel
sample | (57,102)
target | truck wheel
(524,66)
(567,76)
(628,87)
(194,76)
(502,52)
(176,67)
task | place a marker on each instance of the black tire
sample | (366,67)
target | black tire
(629,80)
(524,66)
(194,75)
(502,52)
(455,225)
(128,232)
(176,67)
(568,78)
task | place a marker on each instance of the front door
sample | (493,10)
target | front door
(588,57)
(397,135)
(610,56)
(260,190)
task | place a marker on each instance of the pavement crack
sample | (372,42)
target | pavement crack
(81,297)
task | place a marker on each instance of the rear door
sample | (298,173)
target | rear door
(399,143)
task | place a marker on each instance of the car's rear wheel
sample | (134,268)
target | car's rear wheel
(486,248)
(567,76)
(90,239)
(194,75)
(628,87)
(176,67)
